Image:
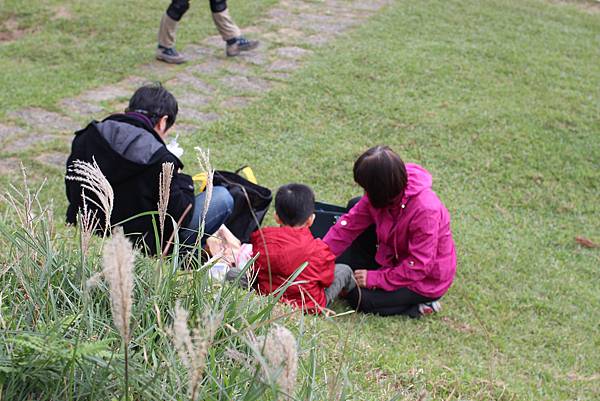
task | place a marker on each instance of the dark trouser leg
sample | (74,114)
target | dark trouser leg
(217,6)
(361,254)
(177,8)
(385,303)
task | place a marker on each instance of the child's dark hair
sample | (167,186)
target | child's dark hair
(154,101)
(382,174)
(294,204)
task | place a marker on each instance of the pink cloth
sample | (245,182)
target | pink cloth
(416,249)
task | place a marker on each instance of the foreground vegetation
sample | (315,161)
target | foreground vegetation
(499,100)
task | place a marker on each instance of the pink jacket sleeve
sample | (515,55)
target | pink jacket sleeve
(348,227)
(422,250)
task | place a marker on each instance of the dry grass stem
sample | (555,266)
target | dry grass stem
(118,261)
(204,162)
(91,178)
(164,191)
(88,223)
(23,202)
(279,350)
(192,346)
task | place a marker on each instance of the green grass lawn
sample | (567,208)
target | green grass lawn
(499,100)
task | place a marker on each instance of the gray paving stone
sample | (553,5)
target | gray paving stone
(194,52)
(54,159)
(45,121)
(192,100)
(372,5)
(23,143)
(235,67)
(105,94)
(290,33)
(280,14)
(10,166)
(80,107)
(292,52)
(132,83)
(7,131)
(278,76)
(254,57)
(284,65)
(212,67)
(246,84)
(187,81)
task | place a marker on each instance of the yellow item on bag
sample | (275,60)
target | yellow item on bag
(200,181)
(249,174)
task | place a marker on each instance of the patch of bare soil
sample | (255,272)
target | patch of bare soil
(589,6)
(62,12)
(10,30)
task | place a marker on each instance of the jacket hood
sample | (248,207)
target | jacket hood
(419,179)
(134,142)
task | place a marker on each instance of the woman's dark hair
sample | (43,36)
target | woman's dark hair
(294,203)
(382,174)
(154,101)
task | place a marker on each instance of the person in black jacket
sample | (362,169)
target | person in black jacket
(130,150)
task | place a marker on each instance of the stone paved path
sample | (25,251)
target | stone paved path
(207,86)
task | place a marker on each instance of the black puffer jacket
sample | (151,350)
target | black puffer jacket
(130,154)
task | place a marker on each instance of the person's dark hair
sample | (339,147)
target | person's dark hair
(382,174)
(154,101)
(294,204)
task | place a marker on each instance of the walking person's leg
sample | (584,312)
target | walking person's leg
(229,31)
(219,209)
(166,33)
(343,280)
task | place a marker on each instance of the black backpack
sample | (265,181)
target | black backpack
(250,203)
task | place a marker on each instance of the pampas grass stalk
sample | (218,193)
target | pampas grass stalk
(204,162)
(87,225)
(164,190)
(118,261)
(23,202)
(91,178)
(279,350)
(192,346)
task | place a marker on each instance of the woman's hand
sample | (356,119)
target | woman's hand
(361,278)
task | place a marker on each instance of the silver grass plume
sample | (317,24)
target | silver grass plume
(164,190)
(204,162)
(91,178)
(192,346)
(87,224)
(118,261)
(279,350)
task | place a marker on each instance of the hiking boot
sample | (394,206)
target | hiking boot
(237,45)
(169,55)
(429,308)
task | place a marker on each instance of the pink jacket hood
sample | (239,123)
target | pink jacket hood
(416,249)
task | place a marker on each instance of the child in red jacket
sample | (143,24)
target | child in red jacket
(285,248)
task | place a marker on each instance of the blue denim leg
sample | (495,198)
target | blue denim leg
(221,206)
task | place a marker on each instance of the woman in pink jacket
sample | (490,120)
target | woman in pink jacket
(414,258)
